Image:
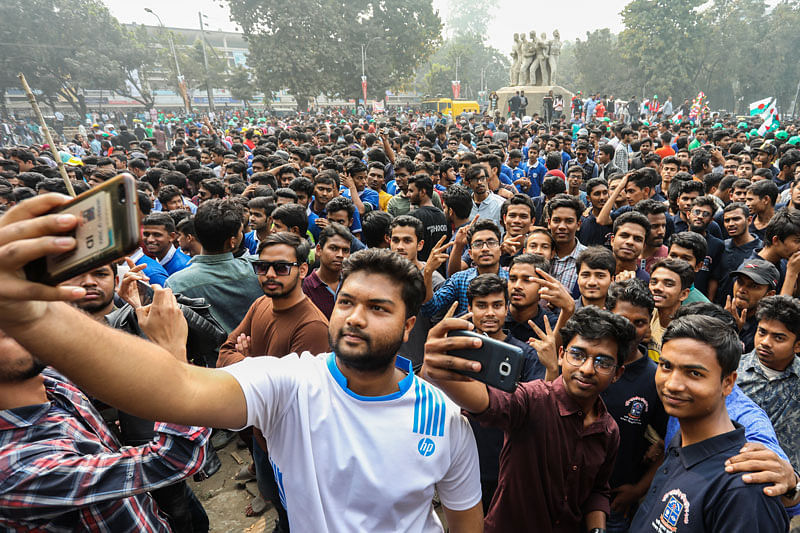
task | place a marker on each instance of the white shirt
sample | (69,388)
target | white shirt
(348,463)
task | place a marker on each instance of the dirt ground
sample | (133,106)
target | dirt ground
(225,499)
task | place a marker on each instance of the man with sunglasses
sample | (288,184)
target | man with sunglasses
(561,442)
(281,322)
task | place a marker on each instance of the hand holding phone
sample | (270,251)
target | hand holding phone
(501,363)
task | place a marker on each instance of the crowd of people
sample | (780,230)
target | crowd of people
(647,270)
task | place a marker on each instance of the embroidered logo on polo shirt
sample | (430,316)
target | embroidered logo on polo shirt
(677,504)
(637,407)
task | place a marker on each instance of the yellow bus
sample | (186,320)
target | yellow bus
(448,106)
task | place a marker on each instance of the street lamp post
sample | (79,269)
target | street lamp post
(181,84)
(205,63)
(363,65)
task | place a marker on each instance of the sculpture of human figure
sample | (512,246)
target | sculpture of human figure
(553,53)
(528,58)
(539,70)
(516,56)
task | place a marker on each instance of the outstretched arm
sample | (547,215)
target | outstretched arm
(128,372)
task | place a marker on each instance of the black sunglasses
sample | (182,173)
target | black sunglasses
(281,268)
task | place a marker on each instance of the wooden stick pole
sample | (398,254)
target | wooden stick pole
(32,99)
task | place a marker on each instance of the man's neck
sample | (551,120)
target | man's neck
(379,383)
(649,251)
(622,266)
(742,239)
(597,302)
(665,315)
(317,206)
(489,269)
(478,198)
(563,249)
(291,299)
(22,394)
(327,276)
(765,216)
(262,233)
(523,314)
(425,202)
(768,253)
(696,430)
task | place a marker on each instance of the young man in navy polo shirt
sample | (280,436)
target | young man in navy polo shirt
(691,491)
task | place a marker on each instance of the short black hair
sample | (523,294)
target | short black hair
(486,284)
(331,230)
(537,261)
(160,219)
(593,323)
(782,225)
(765,188)
(396,267)
(375,227)
(483,224)
(711,331)
(409,222)
(680,267)
(422,182)
(301,246)
(216,221)
(733,206)
(597,257)
(632,217)
(459,199)
(565,200)
(782,308)
(634,291)
(707,309)
(292,215)
(167,193)
(518,199)
(691,241)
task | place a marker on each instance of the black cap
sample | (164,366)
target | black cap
(761,271)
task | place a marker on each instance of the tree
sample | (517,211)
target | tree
(241,86)
(61,46)
(470,17)
(474,58)
(597,67)
(313,47)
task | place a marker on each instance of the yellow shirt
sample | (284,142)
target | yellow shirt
(656,334)
(383,199)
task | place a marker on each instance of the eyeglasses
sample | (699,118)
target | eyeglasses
(701,213)
(281,268)
(491,243)
(602,364)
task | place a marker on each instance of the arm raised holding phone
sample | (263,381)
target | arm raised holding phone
(91,354)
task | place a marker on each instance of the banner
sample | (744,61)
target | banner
(456,84)
(760,106)
(364,88)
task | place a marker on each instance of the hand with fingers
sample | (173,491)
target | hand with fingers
(461,237)
(546,346)
(163,322)
(27,232)
(552,291)
(439,365)
(512,245)
(740,317)
(128,290)
(625,275)
(438,255)
(243,343)
(762,465)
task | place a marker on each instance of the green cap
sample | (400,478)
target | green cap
(742,125)
(794,140)
(716,126)
(782,135)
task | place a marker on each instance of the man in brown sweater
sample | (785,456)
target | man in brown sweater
(281,322)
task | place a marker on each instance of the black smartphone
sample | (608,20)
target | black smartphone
(145,293)
(108,229)
(501,363)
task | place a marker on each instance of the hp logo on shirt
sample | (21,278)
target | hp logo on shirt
(426,447)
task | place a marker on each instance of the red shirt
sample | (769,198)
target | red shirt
(553,471)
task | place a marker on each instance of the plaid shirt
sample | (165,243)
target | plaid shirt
(61,469)
(455,288)
(565,268)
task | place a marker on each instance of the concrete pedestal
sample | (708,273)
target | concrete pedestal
(535,95)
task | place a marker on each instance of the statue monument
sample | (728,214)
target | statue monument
(534,66)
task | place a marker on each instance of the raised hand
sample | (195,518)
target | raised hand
(545,344)
(438,255)
(243,344)
(554,292)
(739,316)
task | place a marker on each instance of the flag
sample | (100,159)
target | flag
(677,118)
(760,106)
(771,119)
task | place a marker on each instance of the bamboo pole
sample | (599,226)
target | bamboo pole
(32,99)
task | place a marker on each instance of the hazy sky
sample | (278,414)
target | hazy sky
(573,18)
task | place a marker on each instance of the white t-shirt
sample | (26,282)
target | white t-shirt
(348,463)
